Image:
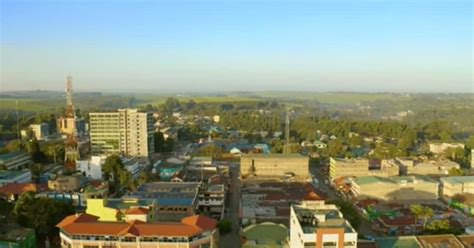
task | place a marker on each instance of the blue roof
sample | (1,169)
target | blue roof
(10,155)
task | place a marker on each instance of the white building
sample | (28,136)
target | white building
(92,168)
(451,186)
(437,148)
(40,131)
(472,158)
(316,224)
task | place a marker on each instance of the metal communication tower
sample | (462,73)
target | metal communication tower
(71,149)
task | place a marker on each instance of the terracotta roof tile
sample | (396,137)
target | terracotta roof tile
(77,218)
(139,210)
(201,221)
(18,188)
(85,224)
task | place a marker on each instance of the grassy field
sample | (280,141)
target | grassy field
(327,97)
(29,104)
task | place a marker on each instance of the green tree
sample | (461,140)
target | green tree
(36,170)
(421,212)
(335,148)
(438,226)
(115,173)
(33,149)
(455,172)
(159,141)
(225,226)
(6,209)
(41,214)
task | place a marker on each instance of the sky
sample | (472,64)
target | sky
(237,45)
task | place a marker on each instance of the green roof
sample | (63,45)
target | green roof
(266,234)
(10,155)
(458,179)
(371,179)
(274,155)
(398,242)
(413,177)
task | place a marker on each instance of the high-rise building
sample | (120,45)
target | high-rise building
(319,225)
(126,132)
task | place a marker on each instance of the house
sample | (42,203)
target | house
(7,177)
(438,148)
(14,160)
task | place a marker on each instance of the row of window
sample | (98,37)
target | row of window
(141,239)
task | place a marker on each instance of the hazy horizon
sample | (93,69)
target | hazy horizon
(218,46)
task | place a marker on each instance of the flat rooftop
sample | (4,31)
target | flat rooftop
(309,221)
(273,155)
(169,193)
(458,179)
(440,241)
(398,242)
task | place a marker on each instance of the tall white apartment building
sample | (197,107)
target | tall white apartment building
(320,225)
(126,132)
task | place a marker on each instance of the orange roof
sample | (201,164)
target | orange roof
(18,188)
(312,196)
(77,218)
(201,221)
(139,210)
(86,224)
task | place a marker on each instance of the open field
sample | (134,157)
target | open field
(327,97)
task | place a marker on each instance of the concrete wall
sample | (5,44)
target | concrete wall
(274,164)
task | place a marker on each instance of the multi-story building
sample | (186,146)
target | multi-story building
(319,225)
(397,188)
(437,148)
(472,158)
(92,168)
(69,125)
(15,160)
(40,131)
(433,167)
(358,167)
(274,165)
(212,200)
(65,183)
(126,131)
(451,186)
(85,230)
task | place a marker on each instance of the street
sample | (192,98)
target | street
(232,239)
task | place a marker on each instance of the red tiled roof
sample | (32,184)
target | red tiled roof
(18,188)
(201,221)
(88,225)
(312,196)
(76,218)
(139,210)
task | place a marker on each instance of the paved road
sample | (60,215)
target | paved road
(365,227)
(232,239)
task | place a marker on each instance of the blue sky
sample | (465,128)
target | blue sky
(375,45)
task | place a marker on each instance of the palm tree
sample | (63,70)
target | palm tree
(421,212)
